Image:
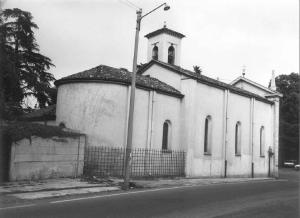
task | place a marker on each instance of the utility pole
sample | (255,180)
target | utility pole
(132,94)
(132,98)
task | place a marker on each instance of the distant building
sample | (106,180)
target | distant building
(224,128)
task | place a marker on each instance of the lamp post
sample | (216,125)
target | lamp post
(132,93)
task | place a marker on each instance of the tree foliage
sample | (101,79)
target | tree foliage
(24,68)
(288,85)
(197,69)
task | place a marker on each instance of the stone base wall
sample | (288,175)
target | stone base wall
(41,158)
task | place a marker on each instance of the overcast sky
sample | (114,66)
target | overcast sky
(221,35)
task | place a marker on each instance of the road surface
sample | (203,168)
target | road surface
(277,198)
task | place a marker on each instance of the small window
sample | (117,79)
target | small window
(171,55)
(166,135)
(238,139)
(207,135)
(262,141)
(155,53)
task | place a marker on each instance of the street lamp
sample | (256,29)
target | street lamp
(132,93)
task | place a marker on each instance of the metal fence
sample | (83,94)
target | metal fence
(108,161)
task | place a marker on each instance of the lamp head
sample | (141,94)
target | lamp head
(167,7)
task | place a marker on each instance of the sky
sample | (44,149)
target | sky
(222,36)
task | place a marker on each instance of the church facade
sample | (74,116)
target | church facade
(225,129)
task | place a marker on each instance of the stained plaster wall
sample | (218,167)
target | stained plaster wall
(41,158)
(201,100)
(100,110)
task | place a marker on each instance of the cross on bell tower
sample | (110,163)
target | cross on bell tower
(244,71)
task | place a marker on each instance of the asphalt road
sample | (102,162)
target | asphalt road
(278,198)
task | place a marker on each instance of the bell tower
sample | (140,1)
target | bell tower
(164,45)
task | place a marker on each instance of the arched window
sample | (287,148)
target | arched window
(155,53)
(238,139)
(171,55)
(262,141)
(166,135)
(207,135)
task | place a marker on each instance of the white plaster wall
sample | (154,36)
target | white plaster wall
(140,121)
(263,116)
(101,112)
(166,108)
(96,109)
(239,110)
(163,42)
(251,88)
(41,158)
(206,101)
(164,75)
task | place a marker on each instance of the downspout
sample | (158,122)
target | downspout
(77,164)
(252,136)
(149,134)
(151,130)
(276,136)
(225,129)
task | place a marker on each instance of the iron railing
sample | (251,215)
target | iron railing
(110,161)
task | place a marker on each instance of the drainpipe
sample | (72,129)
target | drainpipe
(252,135)
(270,154)
(225,121)
(149,134)
(77,164)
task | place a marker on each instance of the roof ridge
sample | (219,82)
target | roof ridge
(204,79)
(116,75)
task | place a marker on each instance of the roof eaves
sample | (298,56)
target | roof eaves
(164,30)
(218,84)
(252,83)
(120,82)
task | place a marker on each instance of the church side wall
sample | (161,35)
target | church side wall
(201,101)
(239,111)
(100,110)
(208,102)
(263,116)
(166,108)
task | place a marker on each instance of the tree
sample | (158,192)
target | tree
(197,69)
(24,69)
(288,85)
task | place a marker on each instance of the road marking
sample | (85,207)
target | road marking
(20,206)
(157,189)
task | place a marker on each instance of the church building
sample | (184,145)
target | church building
(225,129)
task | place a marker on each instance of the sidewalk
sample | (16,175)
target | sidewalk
(31,190)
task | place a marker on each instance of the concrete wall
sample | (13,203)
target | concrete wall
(100,110)
(41,158)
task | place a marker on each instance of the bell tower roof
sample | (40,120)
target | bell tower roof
(165,30)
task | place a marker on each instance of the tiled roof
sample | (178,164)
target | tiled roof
(203,79)
(48,113)
(104,73)
(164,30)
